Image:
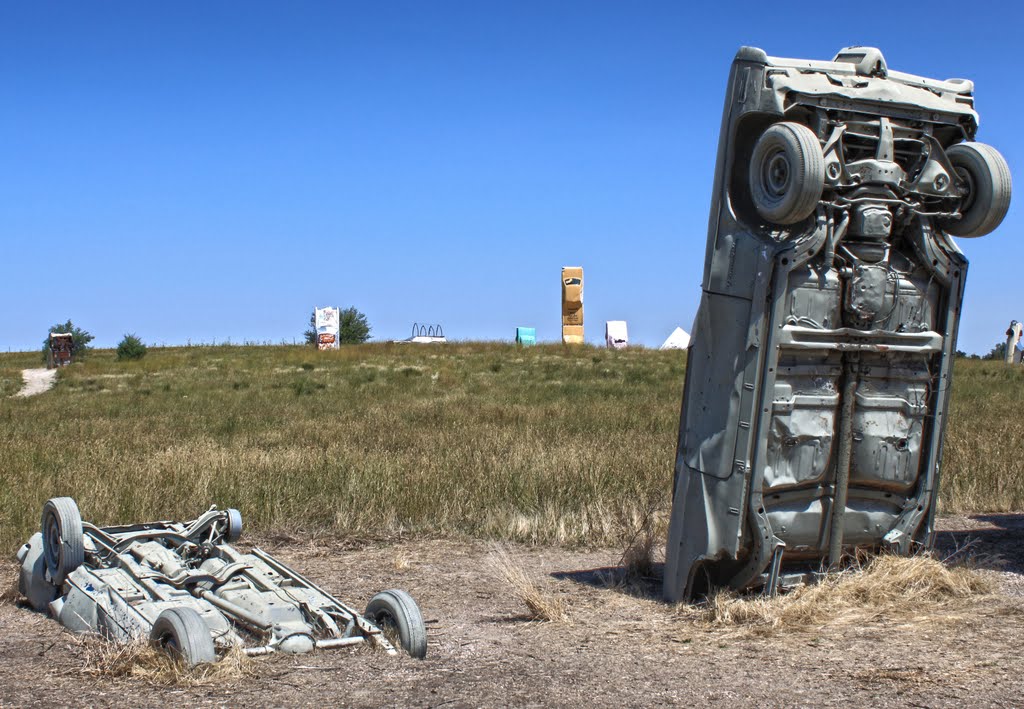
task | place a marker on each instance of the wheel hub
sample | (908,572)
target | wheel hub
(52,537)
(776,174)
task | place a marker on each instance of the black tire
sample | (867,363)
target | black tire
(988,181)
(394,611)
(63,541)
(787,173)
(234,529)
(181,633)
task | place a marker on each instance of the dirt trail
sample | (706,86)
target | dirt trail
(621,648)
(37,381)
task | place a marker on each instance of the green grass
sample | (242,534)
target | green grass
(983,459)
(10,380)
(11,364)
(546,444)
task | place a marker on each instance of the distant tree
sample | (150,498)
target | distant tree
(353,327)
(130,347)
(80,339)
(961,353)
(996,352)
(310,334)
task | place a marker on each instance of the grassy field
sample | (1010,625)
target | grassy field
(11,365)
(546,444)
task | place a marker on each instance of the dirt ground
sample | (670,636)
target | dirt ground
(622,646)
(37,381)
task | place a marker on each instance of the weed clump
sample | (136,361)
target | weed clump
(887,586)
(540,604)
(140,660)
(306,387)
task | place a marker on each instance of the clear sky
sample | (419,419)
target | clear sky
(211,170)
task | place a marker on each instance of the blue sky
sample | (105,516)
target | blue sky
(210,170)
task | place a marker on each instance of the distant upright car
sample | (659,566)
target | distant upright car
(616,334)
(818,379)
(60,348)
(327,322)
(1012,350)
(526,336)
(572,305)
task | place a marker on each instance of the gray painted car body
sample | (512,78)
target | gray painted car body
(824,348)
(131,574)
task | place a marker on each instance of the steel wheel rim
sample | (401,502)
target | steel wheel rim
(776,173)
(53,541)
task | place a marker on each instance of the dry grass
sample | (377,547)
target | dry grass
(981,470)
(639,558)
(557,445)
(140,660)
(9,592)
(886,588)
(545,445)
(540,604)
(11,381)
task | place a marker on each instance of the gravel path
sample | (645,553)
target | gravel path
(37,381)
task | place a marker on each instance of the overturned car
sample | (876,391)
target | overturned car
(184,587)
(817,386)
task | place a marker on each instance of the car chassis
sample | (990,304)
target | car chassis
(817,384)
(182,585)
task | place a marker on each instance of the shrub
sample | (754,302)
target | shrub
(131,347)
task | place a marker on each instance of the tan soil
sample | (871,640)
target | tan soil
(622,647)
(37,381)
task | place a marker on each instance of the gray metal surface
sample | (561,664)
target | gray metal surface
(130,574)
(818,379)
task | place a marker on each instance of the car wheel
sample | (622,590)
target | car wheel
(234,530)
(787,173)
(63,541)
(394,612)
(181,633)
(987,177)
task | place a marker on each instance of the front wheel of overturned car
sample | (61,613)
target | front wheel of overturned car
(394,612)
(787,173)
(987,178)
(181,633)
(63,541)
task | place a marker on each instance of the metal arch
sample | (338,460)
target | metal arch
(424,330)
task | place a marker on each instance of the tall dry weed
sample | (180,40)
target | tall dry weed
(540,604)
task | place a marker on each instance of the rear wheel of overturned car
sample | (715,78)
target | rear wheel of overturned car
(987,177)
(182,634)
(395,613)
(63,541)
(234,530)
(787,173)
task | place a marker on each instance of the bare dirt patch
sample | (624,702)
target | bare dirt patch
(37,381)
(623,647)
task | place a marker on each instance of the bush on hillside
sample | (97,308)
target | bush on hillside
(130,347)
